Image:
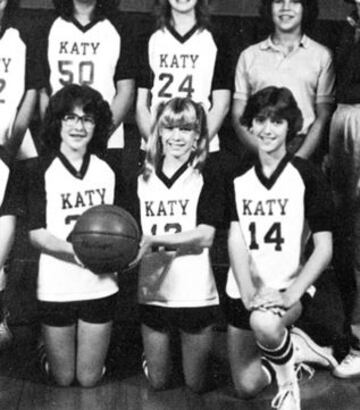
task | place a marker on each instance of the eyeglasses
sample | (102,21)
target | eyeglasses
(71,120)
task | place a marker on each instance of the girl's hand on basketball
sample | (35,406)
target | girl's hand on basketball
(271,299)
(144,247)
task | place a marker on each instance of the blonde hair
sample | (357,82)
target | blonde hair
(177,112)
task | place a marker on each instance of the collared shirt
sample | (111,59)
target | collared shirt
(307,71)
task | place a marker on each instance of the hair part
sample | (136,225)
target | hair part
(274,102)
(103,8)
(62,103)
(177,112)
(310,13)
(162,11)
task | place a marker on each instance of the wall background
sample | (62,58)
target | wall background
(329,9)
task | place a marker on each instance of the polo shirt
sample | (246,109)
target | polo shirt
(307,71)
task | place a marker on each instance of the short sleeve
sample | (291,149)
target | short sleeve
(210,210)
(13,203)
(319,209)
(125,67)
(223,73)
(325,92)
(36,196)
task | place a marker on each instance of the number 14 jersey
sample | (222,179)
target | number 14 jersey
(276,217)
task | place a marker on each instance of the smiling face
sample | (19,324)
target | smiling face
(178,141)
(287,15)
(271,133)
(77,130)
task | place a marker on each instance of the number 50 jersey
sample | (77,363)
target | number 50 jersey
(276,216)
(168,277)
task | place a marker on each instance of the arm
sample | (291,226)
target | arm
(314,266)
(51,245)
(143,115)
(244,135)
(22,121)
(125,90)
(316,132)
(240,263)
(43,102)
(7,235)
(220,108)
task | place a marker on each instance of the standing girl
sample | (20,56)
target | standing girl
(180,206)
(86,44)
(76,306)
(275,206)
(183,58)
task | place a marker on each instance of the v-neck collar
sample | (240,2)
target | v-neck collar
(73,171)
(186,36)
(269,182)
(82,28)
(169,182)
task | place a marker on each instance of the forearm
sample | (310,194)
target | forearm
(123,100)
(200,237)
(315,133)
(220,108)
(143,115)
(51,245)
(43,102)
(7,235)
(240,263)
(314,266)
(22,121)
(243,134)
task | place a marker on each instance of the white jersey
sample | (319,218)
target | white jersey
(61,195)
(92,55)
(174,278)
(276,216)
(190,66)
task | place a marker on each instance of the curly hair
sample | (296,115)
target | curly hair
(104,8)
(274,102)
(162,11)
(62,103)
(310,13)
(177,112)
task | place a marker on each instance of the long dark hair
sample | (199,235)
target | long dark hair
(310,14)
(62,103)
(274,102)
(11,7)
(103,8)
(162,11)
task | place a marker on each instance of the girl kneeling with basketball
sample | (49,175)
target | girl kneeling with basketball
(73,173)
(275,206)
(180,205)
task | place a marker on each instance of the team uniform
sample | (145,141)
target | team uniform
(277,216)
(57,195)
(191,66)
(19,72)
(10,195)
(98,55)
(178,279)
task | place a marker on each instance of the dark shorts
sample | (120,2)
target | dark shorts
(62,314)
(189,320)
(238,316)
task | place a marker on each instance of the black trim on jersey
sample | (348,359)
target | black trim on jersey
(170,181)
(269,182)
(80,26)
(179,37)
(84,167)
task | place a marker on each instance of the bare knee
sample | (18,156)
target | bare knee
(197,385)
(89,379)
(64,379)
(247,389)
(267,327)
(158,380)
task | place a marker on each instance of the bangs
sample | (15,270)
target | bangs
(183,119)
(274,112)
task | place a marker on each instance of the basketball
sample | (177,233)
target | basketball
(105,238)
